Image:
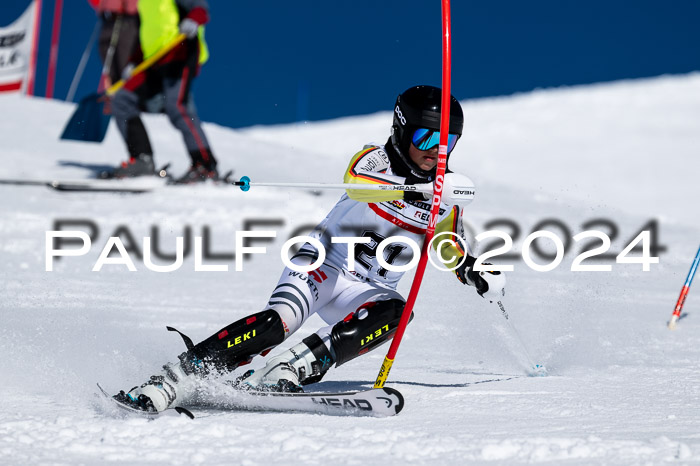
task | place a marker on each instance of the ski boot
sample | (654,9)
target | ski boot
(199,173)
(221,353)
(168,390)
(302,364)
(136,166)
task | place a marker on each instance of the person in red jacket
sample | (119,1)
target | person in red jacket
(165,87)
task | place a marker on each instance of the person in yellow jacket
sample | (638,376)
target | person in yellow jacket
(165,87)
(352,290)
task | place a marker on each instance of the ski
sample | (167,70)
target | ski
(105,186)
(23,182)
(92,185)
(123,185)
(381,402)
(373,402)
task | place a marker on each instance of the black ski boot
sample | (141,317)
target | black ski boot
(136,166)
(198,173)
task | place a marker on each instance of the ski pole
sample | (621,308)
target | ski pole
(684,292)
(105,78)
(89,122)
(83,61)
(535,369)
(245,185)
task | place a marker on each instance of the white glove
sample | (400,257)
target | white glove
(189,27)
(457,189)
(490,285)
(494,282)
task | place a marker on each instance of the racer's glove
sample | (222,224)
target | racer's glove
(457,189)
(489,284)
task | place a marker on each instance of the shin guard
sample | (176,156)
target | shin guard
(365,329)
(234,345)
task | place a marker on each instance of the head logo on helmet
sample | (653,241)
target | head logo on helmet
(419,107)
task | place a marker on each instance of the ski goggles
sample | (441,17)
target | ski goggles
(426,139)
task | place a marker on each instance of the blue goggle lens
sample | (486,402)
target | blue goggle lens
(425,139)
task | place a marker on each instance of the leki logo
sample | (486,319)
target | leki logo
(374,335)
(239,339)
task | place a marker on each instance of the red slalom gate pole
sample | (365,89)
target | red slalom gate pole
(437,196)
(53,58)
(684,292)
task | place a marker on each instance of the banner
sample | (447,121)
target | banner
(17,45)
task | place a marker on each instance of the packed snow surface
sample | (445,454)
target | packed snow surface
(622,388)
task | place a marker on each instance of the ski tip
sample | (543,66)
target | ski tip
(398,405)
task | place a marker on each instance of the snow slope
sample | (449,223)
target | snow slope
(622,388)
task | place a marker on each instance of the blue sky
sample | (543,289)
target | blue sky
(279,61)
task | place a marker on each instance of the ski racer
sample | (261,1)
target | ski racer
(362,307)
(165,87)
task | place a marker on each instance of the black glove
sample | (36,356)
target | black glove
(414,195)
(464,270)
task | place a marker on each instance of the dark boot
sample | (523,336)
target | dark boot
(136,166)
(202,169)
(198,174)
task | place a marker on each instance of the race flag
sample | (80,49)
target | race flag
(17,51)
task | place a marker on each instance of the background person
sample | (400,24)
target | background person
(165,86)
